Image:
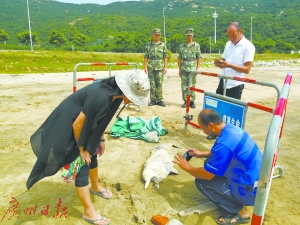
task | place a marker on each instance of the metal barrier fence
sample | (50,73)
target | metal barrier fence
(272,140)
(270,153)
(225,98)
(97,64)
(75,79)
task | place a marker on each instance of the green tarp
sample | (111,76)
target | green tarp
(138,128)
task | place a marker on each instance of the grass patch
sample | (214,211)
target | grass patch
(22,62)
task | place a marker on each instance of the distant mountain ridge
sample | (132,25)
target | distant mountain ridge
(276,20)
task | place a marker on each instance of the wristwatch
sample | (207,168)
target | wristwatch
(102,140)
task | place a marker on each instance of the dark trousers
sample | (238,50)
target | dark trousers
(235,92)
(82,178)
(218,192)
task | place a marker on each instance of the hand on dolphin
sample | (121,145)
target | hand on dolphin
(181,161)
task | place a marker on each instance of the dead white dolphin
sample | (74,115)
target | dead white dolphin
(159,165)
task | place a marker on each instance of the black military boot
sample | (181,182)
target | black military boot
(192,105)
(151,103)
(183,105)
(161,103)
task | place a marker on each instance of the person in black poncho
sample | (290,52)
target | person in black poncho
(75,128)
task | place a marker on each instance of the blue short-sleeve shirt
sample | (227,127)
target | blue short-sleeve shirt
(237,157)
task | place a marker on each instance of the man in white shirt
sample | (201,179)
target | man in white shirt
(237,60)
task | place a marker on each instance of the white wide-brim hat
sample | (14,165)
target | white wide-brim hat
(135,86)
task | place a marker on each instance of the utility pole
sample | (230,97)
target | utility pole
(31,47)
(165,24)
(215,16)
(251,27)
(209,45)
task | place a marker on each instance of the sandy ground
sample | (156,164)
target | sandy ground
(27,100)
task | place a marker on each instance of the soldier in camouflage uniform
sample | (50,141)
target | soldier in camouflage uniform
(155,65)
(189,60)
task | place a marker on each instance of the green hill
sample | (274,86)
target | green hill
(127,26)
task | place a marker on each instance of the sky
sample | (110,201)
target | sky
(100,2)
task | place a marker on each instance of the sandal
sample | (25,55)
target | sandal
(107,194)
(238,219)
(100,221)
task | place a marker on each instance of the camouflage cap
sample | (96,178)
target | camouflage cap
(189,31)
(156,31)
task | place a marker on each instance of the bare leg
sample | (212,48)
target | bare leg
(95,186)
(85,199)
(94,180)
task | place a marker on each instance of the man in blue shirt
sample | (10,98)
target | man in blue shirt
(231,169)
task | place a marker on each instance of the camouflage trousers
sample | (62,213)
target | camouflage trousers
(185,85)
(156,78)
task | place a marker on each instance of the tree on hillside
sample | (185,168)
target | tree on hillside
(218,47)
(269,44)
(139,42)
(175,41)
(284,47)
(204,44)
(259,46)
(81,40)
(106,44)
(24,37)
(57,38)
(124,40)
(3,36)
